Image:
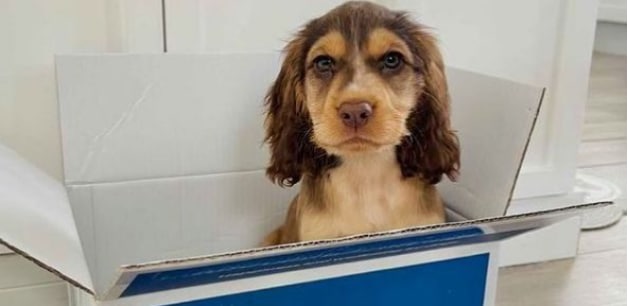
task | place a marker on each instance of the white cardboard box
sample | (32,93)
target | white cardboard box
(165,195)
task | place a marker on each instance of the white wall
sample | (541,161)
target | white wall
(237,26)
(32,31)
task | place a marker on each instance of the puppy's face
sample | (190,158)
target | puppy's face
(360,89)
(359,79)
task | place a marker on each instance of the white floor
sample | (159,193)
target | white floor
(597,277)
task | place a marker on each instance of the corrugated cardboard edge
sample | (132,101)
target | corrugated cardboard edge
(130,271)
(46,267)
(271,249)
(525,150)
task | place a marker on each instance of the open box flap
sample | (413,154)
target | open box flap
(494,119)
(180,106)
(185,272)
(37,221)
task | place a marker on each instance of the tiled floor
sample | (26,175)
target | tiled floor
(597,277)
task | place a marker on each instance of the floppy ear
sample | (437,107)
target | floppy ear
(288,124)
(431,149)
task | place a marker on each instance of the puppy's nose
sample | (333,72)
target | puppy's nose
(355,115)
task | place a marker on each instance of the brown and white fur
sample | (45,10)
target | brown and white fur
(359,114)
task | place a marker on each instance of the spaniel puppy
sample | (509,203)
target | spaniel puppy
(359,114)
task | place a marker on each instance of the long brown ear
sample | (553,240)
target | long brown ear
(288,124)
(431,149)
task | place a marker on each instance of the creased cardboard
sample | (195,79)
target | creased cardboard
(36,221)
(164,162)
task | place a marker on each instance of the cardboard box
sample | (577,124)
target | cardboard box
(165,196)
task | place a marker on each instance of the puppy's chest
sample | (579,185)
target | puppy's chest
(371,198)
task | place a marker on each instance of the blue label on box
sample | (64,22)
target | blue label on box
(456,282)
(323,256)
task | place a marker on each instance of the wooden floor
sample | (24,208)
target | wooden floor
(597,277)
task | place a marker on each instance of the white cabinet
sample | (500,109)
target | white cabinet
(237,26)
(542,42)
(31,33)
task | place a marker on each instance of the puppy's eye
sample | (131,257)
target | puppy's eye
(324,64)
(392,61)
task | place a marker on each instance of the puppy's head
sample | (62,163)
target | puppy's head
(360,79)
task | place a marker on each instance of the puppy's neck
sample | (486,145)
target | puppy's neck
(368,165)
(364,179)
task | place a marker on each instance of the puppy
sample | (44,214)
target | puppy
(359,115)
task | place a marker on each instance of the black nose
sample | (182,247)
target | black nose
(355,115)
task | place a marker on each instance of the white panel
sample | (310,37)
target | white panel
(510,39)
(32,31)
(134,26)
(237,26)
(37,219)
(191,216)
(565,110)
(140,116)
